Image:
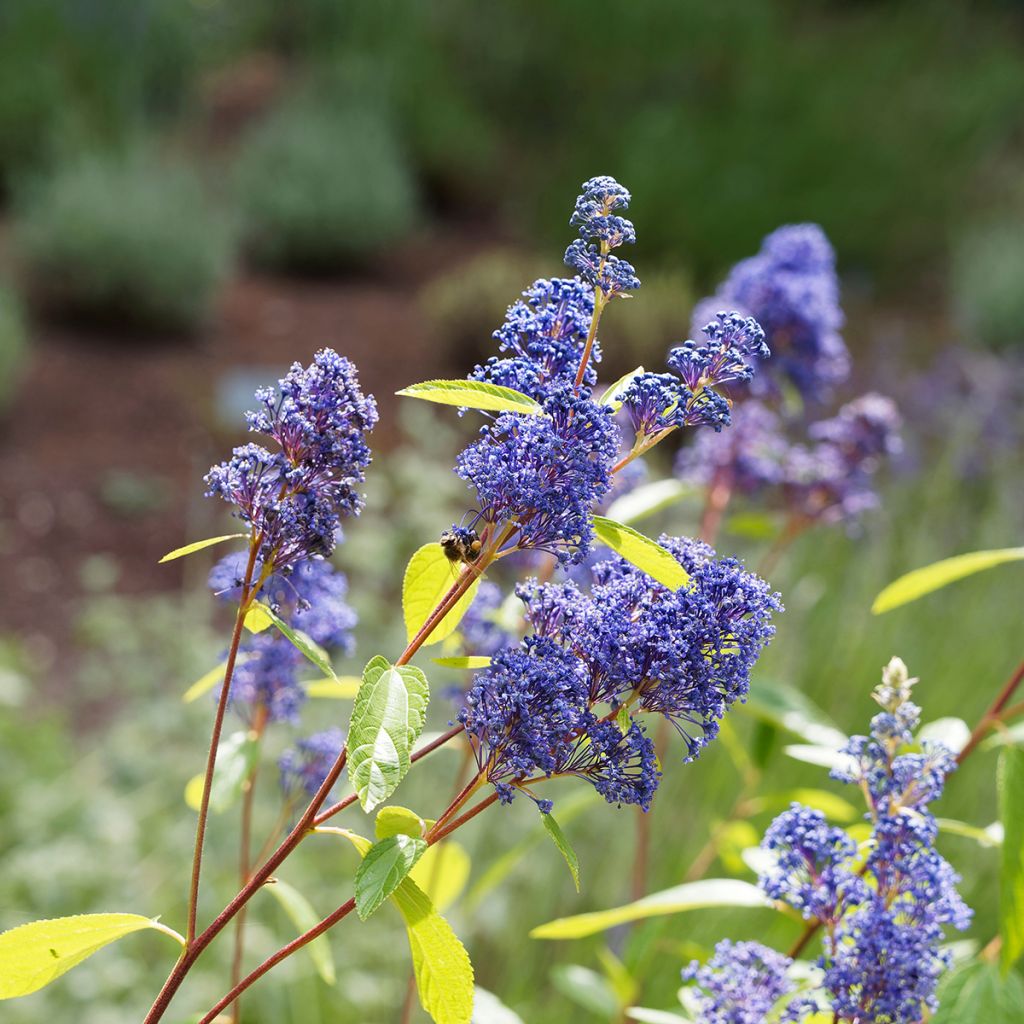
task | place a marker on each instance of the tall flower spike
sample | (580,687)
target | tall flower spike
(601,230)
(294,498)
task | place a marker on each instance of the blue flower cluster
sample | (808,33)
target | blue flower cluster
(791,288)
(884,918)
(564,701)
(311,598)
(544,334)
(540,476)
(743,983)
(601,230)
(305,765)
(658,402)
(294,498)
(827,479)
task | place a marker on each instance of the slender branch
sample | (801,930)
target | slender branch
(994,713)
(714,507)
(599,304)
(211,757)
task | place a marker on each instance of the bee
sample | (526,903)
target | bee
(461,545)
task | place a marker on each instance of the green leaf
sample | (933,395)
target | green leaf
(399,821)
(204,683)
(338,688)
(307,647)
(714,892)
(470,661)
(35,954)
(613,395)
(977,994)
(991,836)
(442,873)
(1010,782)
(304,917)
(952,733)
(558,837)
(641,551)
(258,618)
(384,867)
(623,720)
(236,759)
(198,546)
(428,578)
(472,394)
(788,708)
(823,757)
(388,715)
(645,500)
(489,1009)
(444,974)
(939,574)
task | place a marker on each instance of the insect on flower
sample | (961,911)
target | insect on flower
(461,545)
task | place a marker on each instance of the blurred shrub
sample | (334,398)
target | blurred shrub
(126,239)
(988,283)
(323,187)
(86,72)
(13,344)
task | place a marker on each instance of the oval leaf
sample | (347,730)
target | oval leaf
(823,757)
(444,974)
(442,873)
(304,917)
(715,892)
(198,546)
(428,578)
(939,574)
(977,994)
(35,954)
(399,821)
(645,500)
(790,709)
(258,618)
(642,552)
(388,715)
(383,868)
(613,395)
(565,847)
(472,394)
(1010,780)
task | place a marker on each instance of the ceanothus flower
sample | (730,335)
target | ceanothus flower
(743,983)
(542,475)
(294,498)
(305,765)
(602,230)
(791,288)
(544,334)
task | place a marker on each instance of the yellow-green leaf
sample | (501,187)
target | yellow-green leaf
(469,661)
(399,821)
(641,551)
(645,500)
(339,688)
(35,954)
(558,837)
(304,917)
(305,645)
(472,394)
(258,618)
(713,892)
(208,681)
(236,758)
(442,873)
(384,867)
(932,577)
(198,546)
(428,578)
(613,395)
(444,974)
(1010,781)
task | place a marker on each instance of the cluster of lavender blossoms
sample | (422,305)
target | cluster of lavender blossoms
(599,653)
(293,500)
(883,917)
(819,471)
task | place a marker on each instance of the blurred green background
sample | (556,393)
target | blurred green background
(195,193)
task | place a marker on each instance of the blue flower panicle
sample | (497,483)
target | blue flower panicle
(543,338)
(743,983)
(542,475)
(601,230)
(305,765)
(628,646)
(295,497)
(791,288)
